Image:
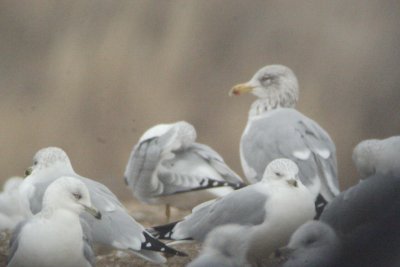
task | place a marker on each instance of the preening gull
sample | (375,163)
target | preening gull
(167,161)
(314,244)
(11,212)
(117,229)
(54,236)
(374,156)
(276,205)
(276,129)
(366,217)
(225,246)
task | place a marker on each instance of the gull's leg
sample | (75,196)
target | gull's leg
(168,212)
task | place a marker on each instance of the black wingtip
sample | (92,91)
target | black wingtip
(163,231)
(320,204)
(153,244)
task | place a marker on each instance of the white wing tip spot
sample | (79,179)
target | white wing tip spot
(148,245)
(302,155)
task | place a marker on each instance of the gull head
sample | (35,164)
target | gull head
(275,83)
(47,158)
(364,157)
(171,136)
(282,170)
(71,194)
(313,244)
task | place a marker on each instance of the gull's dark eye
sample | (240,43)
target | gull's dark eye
(265,78)
(278,174)
(35,162)
(77,196)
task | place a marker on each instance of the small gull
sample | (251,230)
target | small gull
(374,156)
(117,229)
(314,244)
(275,206)
(167,162)
(276,129)
(366,218)
(54,236)
(11,212)
(225,246)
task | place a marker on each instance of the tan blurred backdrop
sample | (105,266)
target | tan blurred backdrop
(92,76)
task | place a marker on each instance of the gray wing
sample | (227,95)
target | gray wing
(116,227)
(367,217)
(141,166)
(216,162)
(13,246)
(245,206)
(289,134)
(367,203)
(88,244)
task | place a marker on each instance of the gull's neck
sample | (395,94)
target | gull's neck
(263,105)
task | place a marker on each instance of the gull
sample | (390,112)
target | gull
(11,212)
(54,236)
(276,129)
(117,229)
(314,244)
(225,246)
(374,156)
(274,207)
(167,161)
(366,218)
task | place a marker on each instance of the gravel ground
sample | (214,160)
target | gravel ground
(146,215)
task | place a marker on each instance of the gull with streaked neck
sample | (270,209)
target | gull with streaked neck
(276,129)
(54,236)
(117,230)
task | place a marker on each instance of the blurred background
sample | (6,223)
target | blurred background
(92,76)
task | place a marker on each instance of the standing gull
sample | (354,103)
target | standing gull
(117,229)
(314,244)
(366,218)
(54,236)
(167,162)
(276,129)
(376,156)
(275,207)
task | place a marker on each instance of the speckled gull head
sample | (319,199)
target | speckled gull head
(172,135)
(48,158)
(280,170)
(274,86)
(71,194)
(363,157)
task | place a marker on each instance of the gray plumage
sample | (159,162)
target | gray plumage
(167,160)
(380,157)
(366,218)
(314,244)
(225,246)
(54,236)
(275,129)
(117,229)
(279,203)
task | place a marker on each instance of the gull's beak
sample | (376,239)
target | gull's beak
(28,171)
(292,182)
(241,89)
(92,211)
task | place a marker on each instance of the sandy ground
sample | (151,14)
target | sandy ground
(146,215)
